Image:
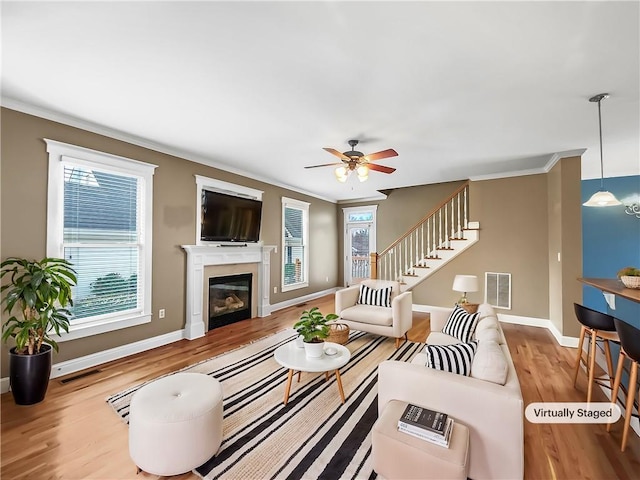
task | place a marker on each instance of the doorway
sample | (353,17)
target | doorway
(359,242)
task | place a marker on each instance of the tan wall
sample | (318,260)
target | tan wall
(565,239)
(554,213)
(24,199)
(513,239)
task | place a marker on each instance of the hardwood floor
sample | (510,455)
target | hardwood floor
(74,434)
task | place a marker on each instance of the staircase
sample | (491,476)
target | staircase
(443,234)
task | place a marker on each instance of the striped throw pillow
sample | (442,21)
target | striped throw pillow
(456,358)
(461,324)
(377,298)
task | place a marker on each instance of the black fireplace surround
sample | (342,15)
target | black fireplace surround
(229,299)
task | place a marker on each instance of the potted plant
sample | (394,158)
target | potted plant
(630,276)
(313,329)
(40,290)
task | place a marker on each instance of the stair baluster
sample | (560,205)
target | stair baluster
(426,239)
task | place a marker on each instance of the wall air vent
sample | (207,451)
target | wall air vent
(498,289)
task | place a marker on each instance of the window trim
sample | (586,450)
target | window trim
(61,153)
(304,206)
(347,211)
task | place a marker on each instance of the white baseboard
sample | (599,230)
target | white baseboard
(520,320)
(563,340)
(295,301)
(421,308)
(98,358)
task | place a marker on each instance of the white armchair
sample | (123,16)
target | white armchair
(391,322)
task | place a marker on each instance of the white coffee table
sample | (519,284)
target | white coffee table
(293,357)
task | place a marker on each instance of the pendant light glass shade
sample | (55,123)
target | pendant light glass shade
(601,198)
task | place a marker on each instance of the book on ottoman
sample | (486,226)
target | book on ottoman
(426,424)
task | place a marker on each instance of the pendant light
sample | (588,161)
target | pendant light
(602,198)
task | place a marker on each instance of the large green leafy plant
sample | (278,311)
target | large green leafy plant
(41,290)
(312,325)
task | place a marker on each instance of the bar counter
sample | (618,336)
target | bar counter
(613,285)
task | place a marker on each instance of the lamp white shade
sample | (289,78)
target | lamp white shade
(465,283)
(602,198)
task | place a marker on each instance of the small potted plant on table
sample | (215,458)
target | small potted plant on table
(313,329)
(630,276)
(40,290)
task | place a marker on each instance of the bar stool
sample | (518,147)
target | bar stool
(598,326)
(630,348)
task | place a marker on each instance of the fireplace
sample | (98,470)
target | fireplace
(205,261)
(229,299)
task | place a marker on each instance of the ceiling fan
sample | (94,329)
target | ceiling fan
(352,160)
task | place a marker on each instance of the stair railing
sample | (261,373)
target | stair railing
(433,232)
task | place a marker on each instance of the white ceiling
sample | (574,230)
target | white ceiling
(459,89)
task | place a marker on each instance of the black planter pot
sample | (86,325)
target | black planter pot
(29,375)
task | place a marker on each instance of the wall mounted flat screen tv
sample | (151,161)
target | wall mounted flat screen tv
(226,218)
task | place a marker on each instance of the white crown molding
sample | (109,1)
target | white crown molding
(559,155)
(553,159)
(72,121)
(374,198)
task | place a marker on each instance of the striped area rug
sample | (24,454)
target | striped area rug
(314,435)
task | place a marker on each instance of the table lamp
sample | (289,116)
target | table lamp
(465,284)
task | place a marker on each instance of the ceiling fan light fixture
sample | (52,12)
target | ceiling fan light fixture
(363,173)
(601,198)
(353,160)
(342,173)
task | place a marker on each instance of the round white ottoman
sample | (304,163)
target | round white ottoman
(175,423)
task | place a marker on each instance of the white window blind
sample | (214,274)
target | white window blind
(294,251)
(102,235)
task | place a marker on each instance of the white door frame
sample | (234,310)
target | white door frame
(347,213)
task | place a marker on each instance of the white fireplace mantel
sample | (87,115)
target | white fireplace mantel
(201,256)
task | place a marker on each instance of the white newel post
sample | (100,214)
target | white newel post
(201,256)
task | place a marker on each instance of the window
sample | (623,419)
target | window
(295,252)
(99,218)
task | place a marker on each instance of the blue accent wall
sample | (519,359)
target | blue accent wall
(610,241)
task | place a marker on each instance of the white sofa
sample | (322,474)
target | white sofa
(492,412)
(391,322)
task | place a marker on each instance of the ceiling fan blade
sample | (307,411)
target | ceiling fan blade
(335,152)
(324,165)
(390,152)
(380,168)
